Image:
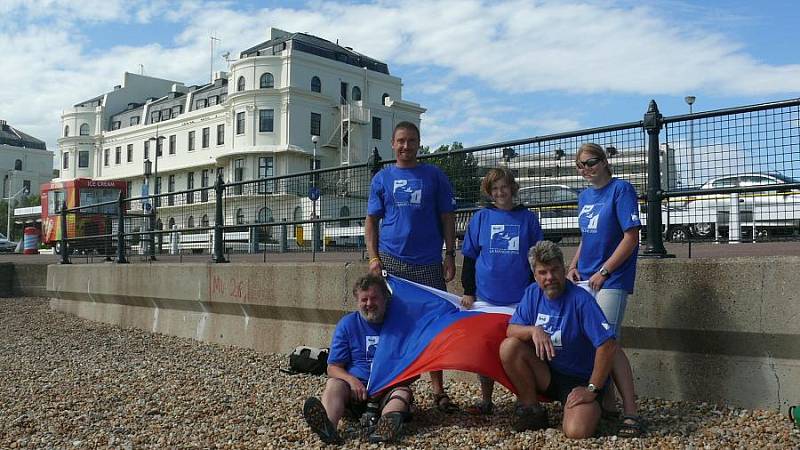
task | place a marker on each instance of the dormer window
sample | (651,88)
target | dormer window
(316,85)
(115,125)
(267,81)
(240,84)
(134,120)
(200,103)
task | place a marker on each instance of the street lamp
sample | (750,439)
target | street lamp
(689,99)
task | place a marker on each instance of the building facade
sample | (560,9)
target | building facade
(24,160)
(257,120)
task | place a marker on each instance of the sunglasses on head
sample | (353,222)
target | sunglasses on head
(589,163)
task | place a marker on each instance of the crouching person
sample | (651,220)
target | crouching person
(353,346)
(559,345)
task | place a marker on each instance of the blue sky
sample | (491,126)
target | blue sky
(486,71)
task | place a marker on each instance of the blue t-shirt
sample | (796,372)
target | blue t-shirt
(410,202)
(498,241)
(353,344)
(575,323)
(605,215)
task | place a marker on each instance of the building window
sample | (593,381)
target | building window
(171,223)
(83,159)
(66,131)
(385,99)
(190,222)
(26,186)
(220,174)
(165,114)
(189,187)
(155,116)
(171,188)
(344,212)
(65,162)
(115,125)
(220,134)
(172,144)
(147,149)
(267,81)
(356,93)
(376,127)
(160,146)
(84,131)
(191,141)
(239,217)
(316,124)
(213,100)
(200,103)
(128,189)
(316,85)
(238,175)
(177,110)
(266,119)
(18,164)
(204,184)
(157,200)
(106,156)
(204,221)
(134,120)
(129,153)
(117,155)
(204,138)
(266,169)
(240,84)
(240,123)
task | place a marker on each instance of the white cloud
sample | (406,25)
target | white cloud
(471,51)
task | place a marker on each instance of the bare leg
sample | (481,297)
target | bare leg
(437,382)
(335,398)
(529,374)
(623,378)
(580,421)
(487,389)
(396,405)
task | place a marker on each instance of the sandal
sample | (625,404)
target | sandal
(481,408)
(529,418)
(444,404)
(388,428)
(632,426)
(317,418)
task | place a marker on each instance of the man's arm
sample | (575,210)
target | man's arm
(357,389)
(603,360)
(540,339)
(371,236)
(449,230)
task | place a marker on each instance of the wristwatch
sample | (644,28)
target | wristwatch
(450,253)
(604,272)
(593,389)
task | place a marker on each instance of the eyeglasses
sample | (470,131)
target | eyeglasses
(589,163)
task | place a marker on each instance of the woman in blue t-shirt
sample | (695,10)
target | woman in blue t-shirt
(609,221)
(495,268)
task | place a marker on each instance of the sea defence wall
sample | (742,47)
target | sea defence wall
(23,280)
(705,329)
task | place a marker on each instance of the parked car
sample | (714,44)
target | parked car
(6,245)
(556,221)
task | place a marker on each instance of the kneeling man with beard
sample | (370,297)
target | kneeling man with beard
(559,344)
(353,346)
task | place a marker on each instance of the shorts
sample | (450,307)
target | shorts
(613,303)
(431,275)
(562,384)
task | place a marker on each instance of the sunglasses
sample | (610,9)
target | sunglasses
(589,163)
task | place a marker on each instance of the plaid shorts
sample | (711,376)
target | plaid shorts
(431,275)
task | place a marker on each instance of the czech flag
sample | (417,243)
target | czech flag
(426,330)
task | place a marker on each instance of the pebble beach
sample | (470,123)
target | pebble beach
(68,383)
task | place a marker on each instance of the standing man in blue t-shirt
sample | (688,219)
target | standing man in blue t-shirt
(559,344)
(409,219)
(355,340)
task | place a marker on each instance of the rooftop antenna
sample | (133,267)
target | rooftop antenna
(211,59)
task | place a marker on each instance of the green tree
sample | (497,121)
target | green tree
(461,168)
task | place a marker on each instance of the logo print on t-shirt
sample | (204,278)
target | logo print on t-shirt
(504,239)
(408,192)
(372,346)
(550,325)
(592,215)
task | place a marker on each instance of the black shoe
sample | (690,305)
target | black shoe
(388,428)
(317,419)
(529,418)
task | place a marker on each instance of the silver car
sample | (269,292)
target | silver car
(6,246)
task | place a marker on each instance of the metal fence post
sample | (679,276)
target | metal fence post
(64,244)
(152,247)
(284,237)
(655,244)
(121,259)
(219,218)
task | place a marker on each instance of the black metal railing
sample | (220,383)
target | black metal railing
(728,176)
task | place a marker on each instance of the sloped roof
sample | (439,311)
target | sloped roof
(15,138)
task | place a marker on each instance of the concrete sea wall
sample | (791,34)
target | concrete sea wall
(703,329)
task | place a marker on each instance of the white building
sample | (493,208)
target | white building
(255,121)
(24,160)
